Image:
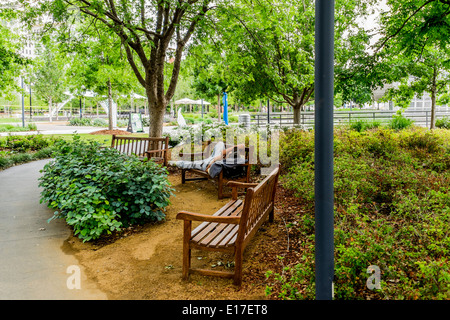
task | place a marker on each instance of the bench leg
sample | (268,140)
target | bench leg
(183,176)
(220,185)
(238,260)
(186,249)
(271,214)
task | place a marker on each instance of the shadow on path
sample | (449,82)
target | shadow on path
(33,263)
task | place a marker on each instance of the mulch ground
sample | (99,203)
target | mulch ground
(280,244)
(118,132)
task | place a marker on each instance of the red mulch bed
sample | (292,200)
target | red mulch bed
(121,132)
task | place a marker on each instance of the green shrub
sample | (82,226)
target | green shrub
(443,123)
(5,162)
(392,205)
(95,122)
(362,125)
(99,123)
(399,122)
(80,122)
(21,149)
(233,119)
(212,113)
(17,128)
(27,143)
(44,153)
(98,190)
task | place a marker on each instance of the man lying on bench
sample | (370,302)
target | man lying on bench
(218,155)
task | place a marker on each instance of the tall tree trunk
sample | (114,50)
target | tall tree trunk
(218,106)
(433,98)
(110,111)
(156,113)
(50,109)
(299,101)
(297,112)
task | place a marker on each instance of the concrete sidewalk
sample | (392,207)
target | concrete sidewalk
(56,127)
(33,264)
(62,128)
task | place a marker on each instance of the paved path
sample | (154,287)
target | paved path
(62,128)
(33,264)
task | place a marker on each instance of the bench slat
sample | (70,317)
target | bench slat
(219,212)
(143,147)
(230,239)
(205,228)
(219,232)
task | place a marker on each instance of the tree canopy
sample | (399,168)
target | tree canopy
(266,50)
(415,47)
(12,63)
(150,32)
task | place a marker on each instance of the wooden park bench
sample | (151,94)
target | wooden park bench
(203,175)
(143,147)
(232,227)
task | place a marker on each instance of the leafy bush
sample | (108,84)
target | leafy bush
(399,122)
(27,143)
(95,122)
(99,123)
(392,201)
(12,128)
(362,125)
(16,150)
(98,190)
(443,123)
(80,122)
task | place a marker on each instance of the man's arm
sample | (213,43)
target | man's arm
(225,153)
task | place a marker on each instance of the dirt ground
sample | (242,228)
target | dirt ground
(118,131)
(146,262)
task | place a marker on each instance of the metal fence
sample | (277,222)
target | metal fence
(420,117)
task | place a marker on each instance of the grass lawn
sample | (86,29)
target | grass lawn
(104,139)
(10,120)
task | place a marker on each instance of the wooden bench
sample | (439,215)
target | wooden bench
(203,175)
(143,147)
(232,227)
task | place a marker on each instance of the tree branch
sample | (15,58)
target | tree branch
(383,43)
(179,50)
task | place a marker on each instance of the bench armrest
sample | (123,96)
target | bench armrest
(191,216)
(236,184)
(155,151)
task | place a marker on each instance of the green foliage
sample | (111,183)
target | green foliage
(16,150)
(12,63)
(26,143)
(362,125)
(94,122)
(13,128)
(391,210)
(399,122)
(48,79)
(443,123)
(98,190)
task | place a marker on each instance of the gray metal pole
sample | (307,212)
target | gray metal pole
(324,193)
(23,105)
(31,110)
(202,109)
